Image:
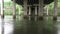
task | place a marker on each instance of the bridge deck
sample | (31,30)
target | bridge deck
(30,2)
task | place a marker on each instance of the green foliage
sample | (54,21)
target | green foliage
(58,4)
(9,4)
(52,8)
(8,12)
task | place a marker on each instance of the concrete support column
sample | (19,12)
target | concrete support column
(47,9)
(25,7)
(55,9)
(2,8)
(40,12)
(19,10)
(14,9)
(29,10)
(36,10)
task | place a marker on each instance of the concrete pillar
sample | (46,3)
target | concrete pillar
(25,7)
(2,26)
(40,12)
(2,8)
(29,10)
(36,10)
(19,10)
(47,9)
(14,9)
(55,9)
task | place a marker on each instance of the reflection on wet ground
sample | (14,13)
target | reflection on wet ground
(8,25)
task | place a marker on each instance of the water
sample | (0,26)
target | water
(8,25)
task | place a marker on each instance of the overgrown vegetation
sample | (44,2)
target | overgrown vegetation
(10,6)
(51,9)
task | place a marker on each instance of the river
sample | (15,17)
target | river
(8,25)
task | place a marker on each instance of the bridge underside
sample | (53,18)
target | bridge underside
(32,7)
(31,2)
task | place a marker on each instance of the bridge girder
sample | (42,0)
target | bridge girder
(31,2)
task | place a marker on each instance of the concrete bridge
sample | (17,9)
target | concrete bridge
(32,7)
(24,26)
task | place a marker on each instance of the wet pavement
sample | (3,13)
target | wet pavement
(8,25)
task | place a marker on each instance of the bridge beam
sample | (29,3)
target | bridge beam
(14,9)
(2,8)
(55,9)
(40,12)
